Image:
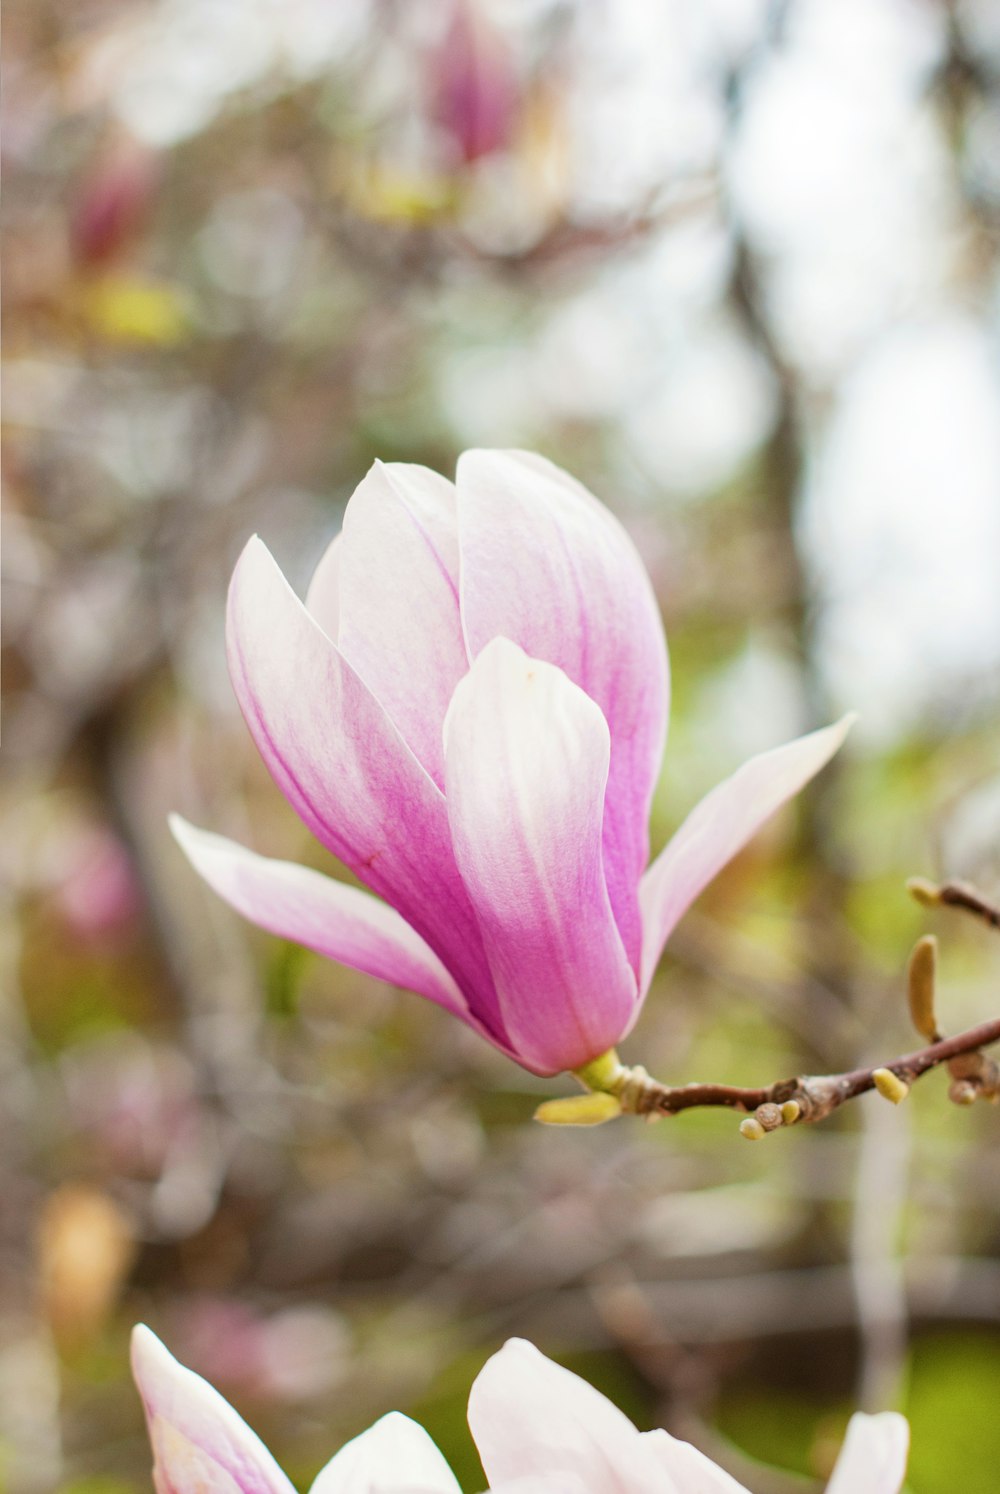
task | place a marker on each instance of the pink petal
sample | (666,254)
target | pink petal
(199,1442)
(530,1417)
(873,1457)
(545,564)
(526,766)
(340,922)
(395,1456)
(720,826)
(400,626)
(691,1470)
(323,596)
(343,766)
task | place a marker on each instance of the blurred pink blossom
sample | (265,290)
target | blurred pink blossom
(136,1100)
(474,92)
(539,1430)
(291,1355)
(97,893)
(112,203)
(469,711)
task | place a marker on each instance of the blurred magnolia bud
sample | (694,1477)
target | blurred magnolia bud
(474,92)
(112,203)
(85,1248)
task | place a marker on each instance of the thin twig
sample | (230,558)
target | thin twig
(961,895)
(816,1094)
(616,1089)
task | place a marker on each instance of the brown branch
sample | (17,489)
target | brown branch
(615,1089)
(816,1095)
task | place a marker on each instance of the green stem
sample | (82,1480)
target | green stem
(604,1075)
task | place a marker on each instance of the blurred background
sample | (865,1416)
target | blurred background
(735,265)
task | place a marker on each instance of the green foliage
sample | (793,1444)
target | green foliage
(284,970)
(953,1403)
(774,1427)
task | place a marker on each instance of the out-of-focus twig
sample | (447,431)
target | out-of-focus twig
(955,895)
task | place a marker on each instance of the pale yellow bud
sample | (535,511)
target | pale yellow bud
(790,1112)
(752,1129)
(926,893)
(890,1086)
(579,1110)
(921,974)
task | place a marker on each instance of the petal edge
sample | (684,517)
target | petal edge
(336,920)
(199,1441)
(718,827)
(526,764)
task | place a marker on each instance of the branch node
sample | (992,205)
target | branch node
(769,1116)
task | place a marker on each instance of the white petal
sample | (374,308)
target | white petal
(532,1418)
(323,596)
(873,1457)
(691,1470)
(400,625)
(395,1456)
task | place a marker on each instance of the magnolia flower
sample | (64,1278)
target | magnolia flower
(469,711)
(201,1446)
(539,1430)
(532,1419)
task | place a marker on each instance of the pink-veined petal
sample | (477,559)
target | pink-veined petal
(345,769)
(720,826)
(545,564)
(338,921)
(395,1456)
(691,1470)
(531,1418)
(199,1442)
(526,763)
(323,596)
(400,626)
(873,1457)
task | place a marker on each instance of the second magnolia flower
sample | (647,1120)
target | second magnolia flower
(469,711)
